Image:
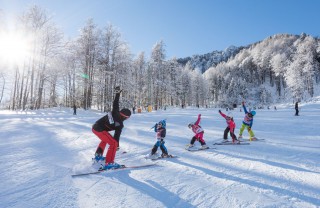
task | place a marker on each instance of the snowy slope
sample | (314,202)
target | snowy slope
(40,151)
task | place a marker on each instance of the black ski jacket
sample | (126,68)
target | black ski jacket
(112,121)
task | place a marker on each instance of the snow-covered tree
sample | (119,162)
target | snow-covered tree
(87,55)
(140,70)
(157,64)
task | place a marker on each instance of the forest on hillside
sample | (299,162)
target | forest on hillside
(280,68)
(51,71)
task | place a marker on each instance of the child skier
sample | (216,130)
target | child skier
(160,129)
(247,123)
(113,121)
(196,128)
(231,127)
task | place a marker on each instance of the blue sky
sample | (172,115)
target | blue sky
(187,27)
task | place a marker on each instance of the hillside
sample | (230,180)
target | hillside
(205,61)
(280,68)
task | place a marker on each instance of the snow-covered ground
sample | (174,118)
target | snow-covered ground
(40,150)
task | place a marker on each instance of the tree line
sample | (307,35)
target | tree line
(84,71)
(280,68)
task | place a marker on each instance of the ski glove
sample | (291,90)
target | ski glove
(117,89)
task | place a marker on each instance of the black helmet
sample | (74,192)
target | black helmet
(125,112)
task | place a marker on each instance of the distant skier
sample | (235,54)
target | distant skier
(230,128)
(74,109)
(160,129)
(113,121)
(247,123)
(199,132)
(297,109)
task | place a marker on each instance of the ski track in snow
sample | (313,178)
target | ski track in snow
(40,151)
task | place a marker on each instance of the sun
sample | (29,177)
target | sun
(13,48)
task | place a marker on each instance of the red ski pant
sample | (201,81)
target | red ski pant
(106,138)
(198,137)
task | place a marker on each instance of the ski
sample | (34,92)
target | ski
(230,143)
(195,150)
(248,140)
(110,170)
(153,157)
(158,158)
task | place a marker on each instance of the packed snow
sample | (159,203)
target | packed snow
(40,150)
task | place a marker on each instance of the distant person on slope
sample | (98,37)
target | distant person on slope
(247,123)
(297,109)
(160,129)
(113,121)
(74,109)
(230,128)
(196,128)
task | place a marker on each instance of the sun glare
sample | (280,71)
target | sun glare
(13,48)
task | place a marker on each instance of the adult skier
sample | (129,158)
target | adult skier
(113,121)
(296,107)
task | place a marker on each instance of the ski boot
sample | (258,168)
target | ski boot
(112,166)
(253,139)
(235,141)
(204,147)
(164,155)
(98,158)
(152,156)
(188,146)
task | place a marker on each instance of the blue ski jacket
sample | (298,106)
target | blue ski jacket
(247,120)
